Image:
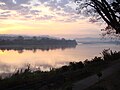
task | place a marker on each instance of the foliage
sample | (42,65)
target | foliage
(106,10)
(34,41)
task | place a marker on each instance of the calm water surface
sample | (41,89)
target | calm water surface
(10,60)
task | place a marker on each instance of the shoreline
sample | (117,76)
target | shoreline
(59,77)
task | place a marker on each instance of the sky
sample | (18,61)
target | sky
(45,17)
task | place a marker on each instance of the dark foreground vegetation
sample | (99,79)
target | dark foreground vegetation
(58,78)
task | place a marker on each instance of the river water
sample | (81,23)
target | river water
(10,60)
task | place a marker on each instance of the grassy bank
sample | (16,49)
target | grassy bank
(58,77)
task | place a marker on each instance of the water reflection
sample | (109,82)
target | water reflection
(7,70)
(17,58)
(34,48)
(4,68)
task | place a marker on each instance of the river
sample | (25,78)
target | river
(44,59)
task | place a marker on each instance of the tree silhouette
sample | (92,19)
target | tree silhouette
(107,10)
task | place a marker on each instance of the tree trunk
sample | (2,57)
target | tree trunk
(108,15)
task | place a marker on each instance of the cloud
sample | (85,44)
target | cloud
(54,4)
(35,12)
(11,5)
(45,17)
(26,8)
(44,1)
(18,2)
(28,16)
(5,14)
(14,2)
(62,8)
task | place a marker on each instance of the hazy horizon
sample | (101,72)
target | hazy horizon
(71,36)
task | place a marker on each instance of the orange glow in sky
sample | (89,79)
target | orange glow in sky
(43,17)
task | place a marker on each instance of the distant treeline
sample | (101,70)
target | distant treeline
(35,41)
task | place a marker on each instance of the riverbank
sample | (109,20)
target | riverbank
(111,82)
(63,77)
(90,82)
